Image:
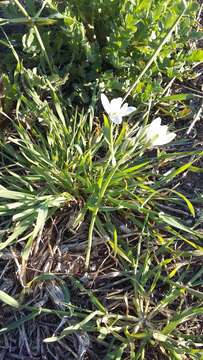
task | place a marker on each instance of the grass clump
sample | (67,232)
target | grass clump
(59,188)
(100,243)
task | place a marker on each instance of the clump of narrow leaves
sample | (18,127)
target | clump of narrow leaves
(115,184)
(100,245)
(73,160)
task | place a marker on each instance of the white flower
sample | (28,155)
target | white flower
(156,134)
(115,109)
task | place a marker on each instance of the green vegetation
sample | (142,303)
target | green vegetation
(100,233)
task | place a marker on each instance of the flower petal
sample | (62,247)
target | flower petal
(165,139)
(116,105)
(161,133)
(116,119)
(124,109)
(163,130)
(155,125)
(105,103)
(127,110)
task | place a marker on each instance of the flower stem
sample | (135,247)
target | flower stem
(94,214)
(90,237)
(112,148)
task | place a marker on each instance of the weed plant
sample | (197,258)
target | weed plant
(100,246)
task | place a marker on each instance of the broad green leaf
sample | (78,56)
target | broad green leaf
(115,239)
(182,317)
(188,202)
(199,249)
(177,97)
(19,229)
(176,268)
(173,222)
(195,56)
(178,171)
(196,35)
(41,219)
(143,5)
(52,339)
(135,168)
(136,335)
(159,336)
(196,169)
(122,134)
(14,195)
(24,214)
(107,130)
(42,277)
(72,328)
(9,300)
(16,324)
